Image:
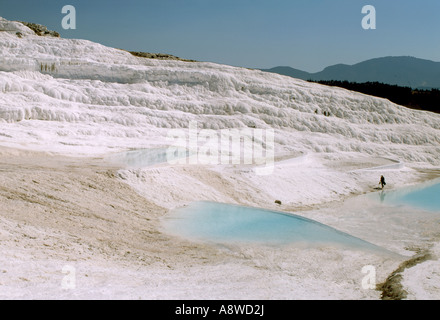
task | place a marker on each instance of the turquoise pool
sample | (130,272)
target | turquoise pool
(224,223)
(426,197)
(141,158)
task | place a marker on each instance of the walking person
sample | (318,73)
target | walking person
(382,181)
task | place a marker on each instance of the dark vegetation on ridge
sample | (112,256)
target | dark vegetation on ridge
(160,56)
(40,30)
(419,99)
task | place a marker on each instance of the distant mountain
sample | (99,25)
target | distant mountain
(402,71)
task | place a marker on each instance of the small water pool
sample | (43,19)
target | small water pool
(141,158)
(425,196)
(224,223)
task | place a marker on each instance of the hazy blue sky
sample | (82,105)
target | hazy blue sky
(304,34)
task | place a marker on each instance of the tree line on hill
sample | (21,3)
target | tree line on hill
(420,99)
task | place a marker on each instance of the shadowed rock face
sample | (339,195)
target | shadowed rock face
(40,30)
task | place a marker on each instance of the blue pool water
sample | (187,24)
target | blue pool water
(141,158)
(224,223)
(426,197)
